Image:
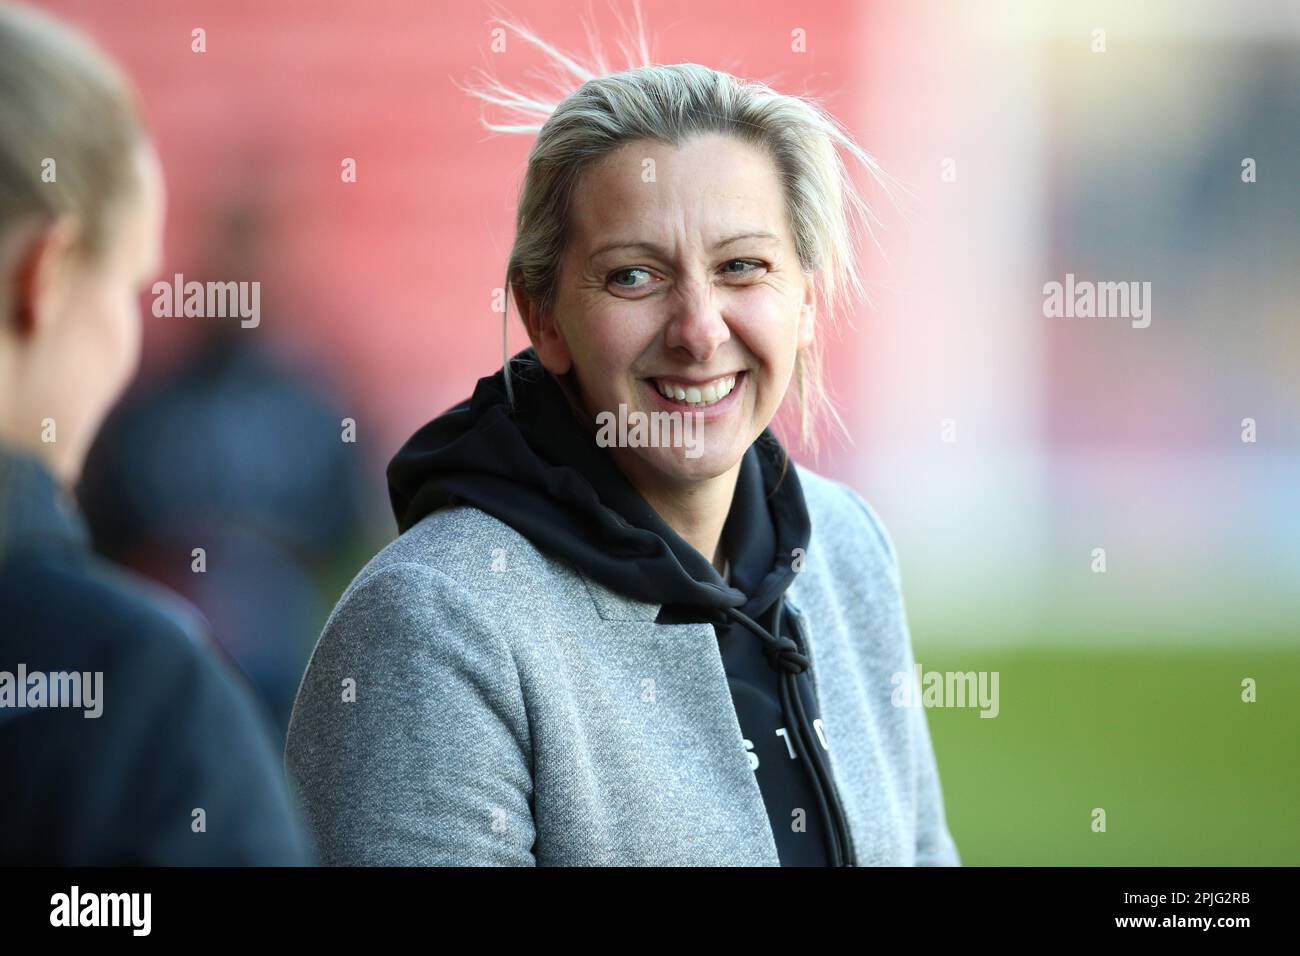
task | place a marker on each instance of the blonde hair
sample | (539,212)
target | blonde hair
(62,100)
(670,104)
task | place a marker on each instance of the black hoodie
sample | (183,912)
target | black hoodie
(540,471)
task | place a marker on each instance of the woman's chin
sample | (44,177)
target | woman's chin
(686,465)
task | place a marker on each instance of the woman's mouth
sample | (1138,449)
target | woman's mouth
(713,395)
(704,394)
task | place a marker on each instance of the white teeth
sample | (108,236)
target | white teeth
(706,395)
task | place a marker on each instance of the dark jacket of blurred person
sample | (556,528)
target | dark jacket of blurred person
(178,767)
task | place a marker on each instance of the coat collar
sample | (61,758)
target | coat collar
(612,606)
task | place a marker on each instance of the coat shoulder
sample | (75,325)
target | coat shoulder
(479,557)
(844,524)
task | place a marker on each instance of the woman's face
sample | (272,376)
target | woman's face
(86,342)
(680,275)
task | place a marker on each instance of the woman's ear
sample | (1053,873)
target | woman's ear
(808,311)
(41,254)
(545,334)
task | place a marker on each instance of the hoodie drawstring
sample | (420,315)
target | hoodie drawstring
(785,657)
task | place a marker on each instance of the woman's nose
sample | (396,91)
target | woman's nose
(696,323)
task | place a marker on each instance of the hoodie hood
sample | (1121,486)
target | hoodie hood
(540,471)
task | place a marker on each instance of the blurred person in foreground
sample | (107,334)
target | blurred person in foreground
(124,740)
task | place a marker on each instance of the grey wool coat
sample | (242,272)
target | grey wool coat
(474,701)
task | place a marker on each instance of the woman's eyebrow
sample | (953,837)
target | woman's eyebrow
(661,251)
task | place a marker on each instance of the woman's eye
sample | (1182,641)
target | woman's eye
(636,278)
(619,276)
(749,266)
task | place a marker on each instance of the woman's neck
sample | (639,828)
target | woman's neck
(697,511)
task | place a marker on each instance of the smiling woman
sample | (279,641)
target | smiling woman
(586,652)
